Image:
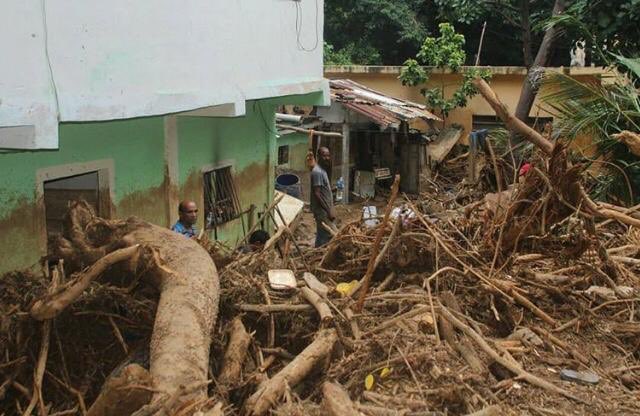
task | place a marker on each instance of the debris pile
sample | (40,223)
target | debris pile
(519,302)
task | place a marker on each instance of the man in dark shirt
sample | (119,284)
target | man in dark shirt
(322,198)
(188,212)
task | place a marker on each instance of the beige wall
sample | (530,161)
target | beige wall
(506,82)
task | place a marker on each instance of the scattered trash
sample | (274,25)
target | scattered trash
(581,377)
(280,279)
(369,214)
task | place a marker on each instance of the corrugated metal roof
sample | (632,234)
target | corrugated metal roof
(382,109)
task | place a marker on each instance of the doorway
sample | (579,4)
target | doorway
(58,193)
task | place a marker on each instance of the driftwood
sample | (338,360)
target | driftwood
(124,393)
(270,391)
(54,303)
(336,401)
(462,344)
(321,306)
(510,364)
(376,245)
(235,354)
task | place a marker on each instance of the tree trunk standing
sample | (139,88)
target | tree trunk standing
(526,32)
(534,75)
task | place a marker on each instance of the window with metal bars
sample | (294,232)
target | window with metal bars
(221,203)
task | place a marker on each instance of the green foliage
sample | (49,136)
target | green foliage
(352,54)
(599,111)
(376,31)
(444,52)
(610,25)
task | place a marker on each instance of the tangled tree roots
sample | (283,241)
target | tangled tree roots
(178,267)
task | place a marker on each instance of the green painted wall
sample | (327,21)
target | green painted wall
(247,143)
(298,146)
(136,147)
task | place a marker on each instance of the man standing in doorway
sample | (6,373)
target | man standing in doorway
(322,198)
(186,225)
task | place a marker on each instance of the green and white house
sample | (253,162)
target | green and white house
(134,106)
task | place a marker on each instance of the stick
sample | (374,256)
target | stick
(52,304)
(376,245)
(391,322)
(285,307)
(513,366)
(336,401)
(312,297)
(355,329)
(270,391)
(38,374)
(235,354)
(311,132)
(275,202)
(394,231)
(461,345)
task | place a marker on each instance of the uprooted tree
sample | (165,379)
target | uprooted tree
(187,280)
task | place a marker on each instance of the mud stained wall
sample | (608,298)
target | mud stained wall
(136,148)
(246,143)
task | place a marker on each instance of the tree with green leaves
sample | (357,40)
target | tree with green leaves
(444,52)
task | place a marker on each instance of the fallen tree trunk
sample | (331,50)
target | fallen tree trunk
(123,393)
(181,270)
(336,401)
(573,191)
(235,354)
(270,391)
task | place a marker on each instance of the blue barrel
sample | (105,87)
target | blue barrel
(289,184)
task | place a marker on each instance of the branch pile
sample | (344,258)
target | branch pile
(509,304)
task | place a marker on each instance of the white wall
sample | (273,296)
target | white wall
(120,58)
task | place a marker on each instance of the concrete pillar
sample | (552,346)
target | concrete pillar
(346,171)
(171,169)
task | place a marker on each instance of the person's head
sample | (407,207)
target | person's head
(324,158)
(258,239)
(188,211)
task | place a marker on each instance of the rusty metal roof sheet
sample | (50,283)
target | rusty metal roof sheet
(381,109)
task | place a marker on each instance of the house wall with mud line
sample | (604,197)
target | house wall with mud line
(132,148)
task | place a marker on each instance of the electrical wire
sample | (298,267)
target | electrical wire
(299,27)
(46,53)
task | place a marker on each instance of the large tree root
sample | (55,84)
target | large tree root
(270,391)
(178,267)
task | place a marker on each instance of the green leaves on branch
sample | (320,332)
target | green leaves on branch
(445,52)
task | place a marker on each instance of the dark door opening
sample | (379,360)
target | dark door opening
(59,193)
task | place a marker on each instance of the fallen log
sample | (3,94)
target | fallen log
(270,391)
(124,393)
(235,354)
(336,401)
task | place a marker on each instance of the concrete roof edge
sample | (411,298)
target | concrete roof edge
(496,70)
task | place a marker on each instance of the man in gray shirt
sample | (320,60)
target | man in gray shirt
(322,198)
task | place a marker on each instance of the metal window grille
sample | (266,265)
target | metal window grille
(283,155)
(220,197)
